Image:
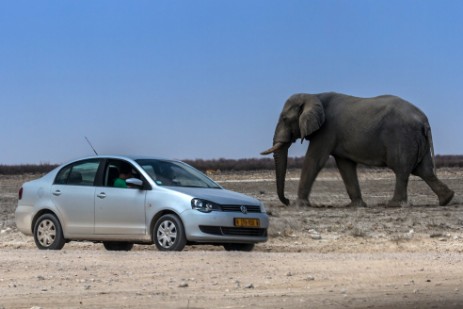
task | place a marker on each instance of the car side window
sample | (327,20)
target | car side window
(78,174)
(111,174)
(117,171)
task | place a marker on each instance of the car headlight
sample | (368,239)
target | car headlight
(203,205)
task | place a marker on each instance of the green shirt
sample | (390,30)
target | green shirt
(120,183)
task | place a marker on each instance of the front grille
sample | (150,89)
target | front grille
(239,231)
(214,230)
(233,231)
(237,208)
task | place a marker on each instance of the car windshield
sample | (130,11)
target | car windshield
(175,173)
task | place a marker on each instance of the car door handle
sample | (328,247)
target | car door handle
(57,193)
(101,195)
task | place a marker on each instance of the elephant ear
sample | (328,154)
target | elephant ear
(312,116)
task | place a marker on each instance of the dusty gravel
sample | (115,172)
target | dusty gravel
(326,256)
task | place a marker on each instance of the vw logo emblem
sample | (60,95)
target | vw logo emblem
(244,209)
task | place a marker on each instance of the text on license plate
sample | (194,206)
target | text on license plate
(246,222)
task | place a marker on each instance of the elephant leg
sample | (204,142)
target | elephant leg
(400,193)
(426,172)
(314,160)
(348,170)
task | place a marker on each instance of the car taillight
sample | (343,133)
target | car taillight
(20,193)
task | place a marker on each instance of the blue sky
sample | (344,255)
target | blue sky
(208,79)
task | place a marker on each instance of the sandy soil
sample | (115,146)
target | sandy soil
(326,256)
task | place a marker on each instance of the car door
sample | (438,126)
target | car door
(73,193)
(119,211)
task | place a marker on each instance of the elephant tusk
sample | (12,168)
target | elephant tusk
(273,149)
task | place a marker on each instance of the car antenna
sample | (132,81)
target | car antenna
(91,145)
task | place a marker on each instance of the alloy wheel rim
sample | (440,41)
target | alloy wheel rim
(46,233)
(167,234)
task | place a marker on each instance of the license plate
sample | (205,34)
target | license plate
(246,222)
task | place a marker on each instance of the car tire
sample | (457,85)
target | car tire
(169,234)
(117,245)
(48,234)
(238,247)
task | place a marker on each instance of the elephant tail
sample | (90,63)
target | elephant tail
(431,146)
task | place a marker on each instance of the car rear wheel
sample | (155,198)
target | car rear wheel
(238,247)
(169,234)
(117,245)
(48,234)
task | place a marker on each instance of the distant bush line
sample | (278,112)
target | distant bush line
(223,165)
(26,169)
(296,162)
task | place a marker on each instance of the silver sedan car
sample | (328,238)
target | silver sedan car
(120,201)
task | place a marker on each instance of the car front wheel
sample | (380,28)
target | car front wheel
(48,234)
(168,233)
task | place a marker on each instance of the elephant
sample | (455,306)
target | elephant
(383,131)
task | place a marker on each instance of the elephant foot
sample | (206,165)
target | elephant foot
(302,203)
(358,203)
(446,198)
(284,200)
(395,204)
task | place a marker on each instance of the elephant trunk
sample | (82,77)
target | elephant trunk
(281,162)
(281,142)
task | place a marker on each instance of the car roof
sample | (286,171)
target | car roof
(120,157)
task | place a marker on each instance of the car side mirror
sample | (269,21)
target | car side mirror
(134,182)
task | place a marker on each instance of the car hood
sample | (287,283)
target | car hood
(219,196)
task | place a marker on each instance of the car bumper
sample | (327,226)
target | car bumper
(23,219)
(219,227)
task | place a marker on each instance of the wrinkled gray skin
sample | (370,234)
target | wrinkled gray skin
(381,131)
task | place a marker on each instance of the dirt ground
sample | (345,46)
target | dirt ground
(326,256)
